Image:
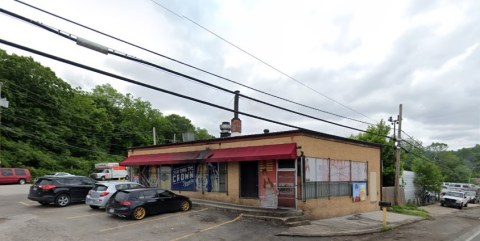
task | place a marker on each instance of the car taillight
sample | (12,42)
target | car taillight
(125,203)
(103,194)
(47,187)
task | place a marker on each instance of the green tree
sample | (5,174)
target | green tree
(377,134)
(427,177)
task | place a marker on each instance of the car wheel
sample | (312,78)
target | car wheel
(103,178)
(94,207)
(21,181)
(466,205)
(139,213)
(62,200)
(461,207)
(44,203)
(442,204)
(127,177)
(185,206)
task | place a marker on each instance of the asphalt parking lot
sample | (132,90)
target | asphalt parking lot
(22,219)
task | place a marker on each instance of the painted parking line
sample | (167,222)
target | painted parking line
(149,220)
(84,216)
(28,204)
(209,228)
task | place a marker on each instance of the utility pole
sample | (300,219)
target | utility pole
(3,103)
(397,159)
(154,132)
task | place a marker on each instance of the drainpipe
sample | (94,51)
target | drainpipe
(302,176)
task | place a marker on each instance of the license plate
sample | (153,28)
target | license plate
(111,210)
(34,188)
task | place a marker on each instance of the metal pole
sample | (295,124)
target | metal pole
(397,161)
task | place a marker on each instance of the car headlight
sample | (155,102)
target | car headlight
(459,201)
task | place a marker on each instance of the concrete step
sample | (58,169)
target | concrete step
(288,217)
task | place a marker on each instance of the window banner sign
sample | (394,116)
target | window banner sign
(359,190)
(183,177)
(268,179)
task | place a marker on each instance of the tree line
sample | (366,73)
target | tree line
(432,164)
(50,126)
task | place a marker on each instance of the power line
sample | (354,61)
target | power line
(10,129)
(257,58)
(188,65)
(141,84)
(104,49)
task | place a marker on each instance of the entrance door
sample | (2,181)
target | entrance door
(249,179)
(286,183)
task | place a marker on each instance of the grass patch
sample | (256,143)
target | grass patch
(386,228)
(410,209)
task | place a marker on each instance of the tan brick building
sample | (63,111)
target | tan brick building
(323,175)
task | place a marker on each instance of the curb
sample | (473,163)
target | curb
(349,233)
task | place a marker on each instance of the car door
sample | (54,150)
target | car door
(168,200)
(86,184)
(151,201)
(75,188)
(7,175)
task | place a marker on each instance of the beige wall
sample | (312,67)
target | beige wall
(311,146)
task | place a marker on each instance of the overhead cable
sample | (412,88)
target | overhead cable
(105,50)
(11,44)
(188,65)
(257,58)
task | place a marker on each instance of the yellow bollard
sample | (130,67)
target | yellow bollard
(384,216)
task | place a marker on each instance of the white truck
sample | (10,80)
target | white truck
(454,199)
(108,171)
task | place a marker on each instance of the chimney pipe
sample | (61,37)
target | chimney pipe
(236,122)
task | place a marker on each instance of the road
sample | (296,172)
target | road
(21,219)
(447,224)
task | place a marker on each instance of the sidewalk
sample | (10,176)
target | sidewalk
(356,224)
(363,223)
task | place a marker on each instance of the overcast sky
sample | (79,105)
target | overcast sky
(356,59)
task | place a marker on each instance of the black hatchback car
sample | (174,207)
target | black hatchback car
(60,190)
(138,202)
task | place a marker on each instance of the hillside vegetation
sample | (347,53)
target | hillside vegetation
(51,126)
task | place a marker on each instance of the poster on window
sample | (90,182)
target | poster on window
(183,177)
(339,171)
(268,179)
(359,191)
(310,175)
(316,170)
(359,171)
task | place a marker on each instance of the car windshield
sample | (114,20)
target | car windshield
(100,188)
(455,194)
(121,196)
(42,182)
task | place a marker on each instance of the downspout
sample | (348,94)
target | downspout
(302,176)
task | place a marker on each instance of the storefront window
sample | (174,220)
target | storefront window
(202,177)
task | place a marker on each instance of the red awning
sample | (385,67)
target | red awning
(164,158)
(254,153)
(251,153)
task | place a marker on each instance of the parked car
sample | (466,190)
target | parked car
(472,196)
(60,174)
(14,175)
(137,203)
(60,190)
(101,193)
(455,199)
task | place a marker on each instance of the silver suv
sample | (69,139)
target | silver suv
(99,195)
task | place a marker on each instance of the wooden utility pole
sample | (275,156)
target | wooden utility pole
(397,159)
